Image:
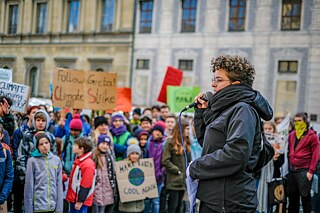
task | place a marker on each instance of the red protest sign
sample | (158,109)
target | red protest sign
(173,77)
(124,100)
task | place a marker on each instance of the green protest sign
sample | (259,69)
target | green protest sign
(180,96)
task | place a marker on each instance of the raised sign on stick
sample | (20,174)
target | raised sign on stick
(84,89)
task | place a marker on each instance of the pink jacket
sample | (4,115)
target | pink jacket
(103,192)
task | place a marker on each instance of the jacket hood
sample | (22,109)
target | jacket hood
(47,119)
(36,153)
(233,94)
(262,106)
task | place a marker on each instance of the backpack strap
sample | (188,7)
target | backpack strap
(64,154)
(5,153)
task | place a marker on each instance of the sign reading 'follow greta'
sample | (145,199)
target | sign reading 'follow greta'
(84,89)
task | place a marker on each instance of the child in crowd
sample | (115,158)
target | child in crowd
(174,160)
(155,149)
(68,141)
(28,144)
(82,177)
(101,127)
(143,139)
(196,149)
(120,135)
(170,122)
(6,169)
(133,153)
(105,186)
(43,183)
(270,171)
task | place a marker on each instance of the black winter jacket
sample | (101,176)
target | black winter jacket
(229,132)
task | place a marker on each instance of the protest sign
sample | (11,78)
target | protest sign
(124,100)
(179,97)
(136,181)
(84,89)
(19,94)
(173,77)
(5,75)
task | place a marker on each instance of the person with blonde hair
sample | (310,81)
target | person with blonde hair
(105,188)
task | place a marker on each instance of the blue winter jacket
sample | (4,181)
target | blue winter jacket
(62,131)
(6,174)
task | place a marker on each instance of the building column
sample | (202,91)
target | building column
(166,15)
(3,16)
(315,22)
(21,17)
(211,16)
(263,15)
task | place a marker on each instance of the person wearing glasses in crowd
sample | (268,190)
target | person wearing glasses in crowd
(228,128)
(120,135)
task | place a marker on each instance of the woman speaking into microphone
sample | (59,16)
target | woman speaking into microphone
(228,128)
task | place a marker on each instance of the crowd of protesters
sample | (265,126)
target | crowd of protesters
(52,162)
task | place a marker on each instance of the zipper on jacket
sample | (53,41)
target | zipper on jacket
(48,175)
(223,197)
(34,200)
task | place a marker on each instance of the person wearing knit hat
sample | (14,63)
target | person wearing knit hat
(40,166)
(103,199)
(99,121)
(155,149)
(133,155)
(120,135)
(146,122)
(143,139)
(68,140)
(135,121)
(159,128)
(38,136)
(104,138)
(76,123)
(133,148)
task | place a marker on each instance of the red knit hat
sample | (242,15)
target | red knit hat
(76,123)
(160,123)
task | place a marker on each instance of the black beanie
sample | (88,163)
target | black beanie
(100,120)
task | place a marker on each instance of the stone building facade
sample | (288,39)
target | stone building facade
(281,38)
(38,35)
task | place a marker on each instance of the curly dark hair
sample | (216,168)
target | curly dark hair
(238,68)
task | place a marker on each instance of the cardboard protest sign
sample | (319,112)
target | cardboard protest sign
(19,94)
(124,100)
(180,97)
(5,75)
(173,77)
(84,89)
(136,181)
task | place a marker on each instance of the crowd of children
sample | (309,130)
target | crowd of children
(67,163)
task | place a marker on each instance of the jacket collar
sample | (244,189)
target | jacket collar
(85,156)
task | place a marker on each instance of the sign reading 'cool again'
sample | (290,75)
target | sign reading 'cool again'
(136,181)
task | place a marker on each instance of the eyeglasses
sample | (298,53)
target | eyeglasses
(117,120)
(218,81)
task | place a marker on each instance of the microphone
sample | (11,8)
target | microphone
(194,104)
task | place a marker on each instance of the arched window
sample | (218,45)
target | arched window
(33,83)
(99,70)
(6,67)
